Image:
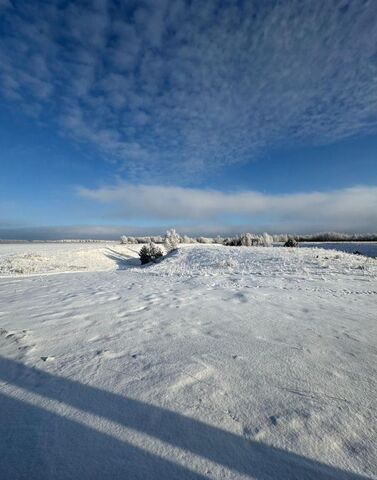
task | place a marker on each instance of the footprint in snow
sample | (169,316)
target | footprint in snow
(47,359)
(250,432)
(273,419)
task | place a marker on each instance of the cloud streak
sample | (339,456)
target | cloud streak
(349,209)
(185,87)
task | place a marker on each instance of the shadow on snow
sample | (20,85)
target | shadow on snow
(123,261)
(38,444)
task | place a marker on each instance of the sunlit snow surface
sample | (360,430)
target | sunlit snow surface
(217,363)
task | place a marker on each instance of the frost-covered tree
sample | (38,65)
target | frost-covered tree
(204,240)
(266,240)
(281,238)
(144,239)
(149,253)
(291,242)
(172,240)
(232,241)
(187,239)
(157,239)
(247,240)
(127,240)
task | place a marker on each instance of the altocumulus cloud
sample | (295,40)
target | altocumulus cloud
(350,209)
(179,87)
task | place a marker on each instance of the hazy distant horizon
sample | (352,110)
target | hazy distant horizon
(114,233)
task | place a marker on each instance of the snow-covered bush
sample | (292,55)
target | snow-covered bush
(233,241)
(143,239)
(247,240)
(127,240)
(149,253)
(157,239)
(266,240)
(187,239)
(280,238)
(172,240)
(291,242)
(124,239)
(204,240)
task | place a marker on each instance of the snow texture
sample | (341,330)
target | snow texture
(216,363)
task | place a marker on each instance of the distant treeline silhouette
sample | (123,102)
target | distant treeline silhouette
(258,239)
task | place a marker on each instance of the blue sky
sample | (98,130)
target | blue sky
(213,117)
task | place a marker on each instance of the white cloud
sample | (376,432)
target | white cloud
(349,209)
(179,87)
(150,210)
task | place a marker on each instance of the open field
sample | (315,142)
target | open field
(216,363)
(368,249)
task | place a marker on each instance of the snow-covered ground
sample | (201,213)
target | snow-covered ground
(368,249)
(217,363)
(28,259)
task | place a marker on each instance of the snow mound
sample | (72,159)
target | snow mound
(261,261)
(187,261)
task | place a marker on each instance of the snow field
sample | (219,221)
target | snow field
(218,362)
(26,259)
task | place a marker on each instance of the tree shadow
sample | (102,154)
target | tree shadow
(123,261)
(23,446)
(77,451)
